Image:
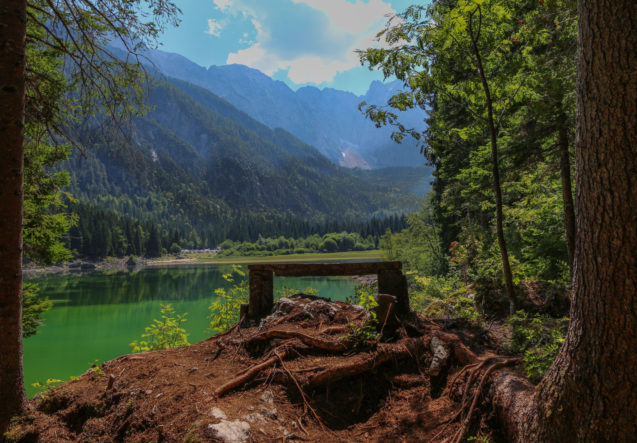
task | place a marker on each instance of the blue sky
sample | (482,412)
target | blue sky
(300,42)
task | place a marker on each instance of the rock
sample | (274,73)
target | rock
(318,308)
(267,397)
(218,413)
(235,431)
(440,356)
(131,261)
(270,412)
(87,266)
(282,307)
(254,418)
(306,306)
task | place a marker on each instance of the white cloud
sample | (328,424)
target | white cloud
(353,17)
(222,5)
(316,69)
(313,40)
(214,27)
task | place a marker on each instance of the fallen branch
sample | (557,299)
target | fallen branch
(249,375)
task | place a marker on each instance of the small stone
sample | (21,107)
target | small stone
(236,431)
(218,413)
(440,356)
(255,418)
(267,397)
(269,412)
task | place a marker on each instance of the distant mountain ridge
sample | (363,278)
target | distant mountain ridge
(327,119)
(194,160)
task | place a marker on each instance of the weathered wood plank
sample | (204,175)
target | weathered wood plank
(394,283)
(261,294)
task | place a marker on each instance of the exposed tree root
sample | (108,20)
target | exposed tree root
(335,330)
(471,366)
(248,375)
(324,387)
(306,403)
(313,342)
(372,361)
(464,355)
(457,438)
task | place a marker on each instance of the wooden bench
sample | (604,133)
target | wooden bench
(390,281)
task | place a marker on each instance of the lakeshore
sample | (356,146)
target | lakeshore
(114,264)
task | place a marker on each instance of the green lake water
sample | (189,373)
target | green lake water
(97,315)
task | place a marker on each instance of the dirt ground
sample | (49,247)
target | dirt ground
(303,374)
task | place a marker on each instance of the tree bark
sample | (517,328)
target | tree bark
(12,96)
(589,394)
(567,192)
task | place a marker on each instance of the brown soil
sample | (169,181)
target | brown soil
(298,377)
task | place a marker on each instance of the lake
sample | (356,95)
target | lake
(96,315)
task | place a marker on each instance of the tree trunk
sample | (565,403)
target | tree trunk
(589,394)
(499,216)
(567,192)
(12,93)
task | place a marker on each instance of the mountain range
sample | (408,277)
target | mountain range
(198,164)
(327,119)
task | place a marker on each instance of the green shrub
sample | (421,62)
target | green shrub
(329,245)
(538,338)
(427,290)
(165,333)
(224,310)
(288,292)
(368,332)
(46,385)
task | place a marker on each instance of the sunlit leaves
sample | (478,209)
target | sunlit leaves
(165,333)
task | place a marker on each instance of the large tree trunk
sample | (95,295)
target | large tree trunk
(590,392)
(567,192)
(12,75)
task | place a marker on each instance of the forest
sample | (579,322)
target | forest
(529,224)
(100,233)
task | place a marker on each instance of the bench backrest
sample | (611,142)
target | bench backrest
(390,281)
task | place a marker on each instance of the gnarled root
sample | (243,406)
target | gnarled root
(249,374)
(457,438)
(313,342)
(383,354)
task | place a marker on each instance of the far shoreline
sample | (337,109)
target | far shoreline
(201,259)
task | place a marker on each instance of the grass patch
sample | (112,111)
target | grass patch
(295,258)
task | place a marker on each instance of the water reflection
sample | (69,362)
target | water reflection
(96,315)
